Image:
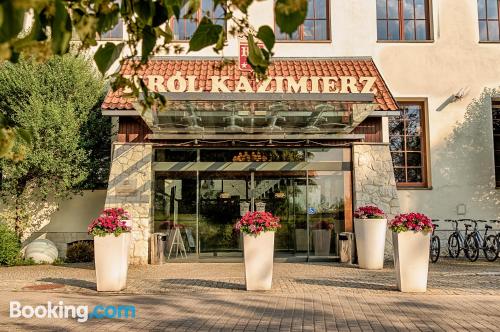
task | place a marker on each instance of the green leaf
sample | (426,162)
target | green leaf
(192,7)
(161,14)
(242,4)
(144,10)
(61,29)
(106,55)
(290,14)
(205,35)
(257,57)
(220,42)
(12,22)
(266,34)
(24,135)
(173,7)
(148,42)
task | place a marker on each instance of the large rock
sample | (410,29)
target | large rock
(41,251)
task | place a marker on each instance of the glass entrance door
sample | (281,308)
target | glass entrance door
(284,195)
(222,197)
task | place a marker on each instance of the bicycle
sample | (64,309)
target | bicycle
(498,234)
(435,248)
(456,241)
(488,243)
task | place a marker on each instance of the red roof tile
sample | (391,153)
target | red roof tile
(204,69)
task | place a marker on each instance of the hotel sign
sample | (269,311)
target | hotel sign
(272,84)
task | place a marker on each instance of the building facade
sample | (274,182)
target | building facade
(386,102)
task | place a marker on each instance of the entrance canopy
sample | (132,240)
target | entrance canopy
(298,97)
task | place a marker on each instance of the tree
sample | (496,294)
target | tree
(51,23)
(57,102)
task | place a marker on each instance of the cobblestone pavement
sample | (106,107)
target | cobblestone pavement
(211,296)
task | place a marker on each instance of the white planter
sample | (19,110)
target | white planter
(111,261)
(370,242)
(411,260)
(322,239)
(258,251)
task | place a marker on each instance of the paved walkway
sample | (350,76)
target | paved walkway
(211,296)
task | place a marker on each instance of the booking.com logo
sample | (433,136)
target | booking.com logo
(81,313)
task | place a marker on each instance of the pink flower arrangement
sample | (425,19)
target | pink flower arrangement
(257,222)
(369,212)
(417,222)
(110,221)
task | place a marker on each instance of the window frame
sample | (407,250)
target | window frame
(429,23)
(479,20)
(301,29)
(199,15)
(426,180)
(104,37)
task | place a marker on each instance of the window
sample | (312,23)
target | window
(489,23)
(407,143)
(496,139)
(403,20)
(184,29)
(316,25)
(115,33)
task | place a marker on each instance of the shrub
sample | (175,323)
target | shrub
(80,252)
(10,247)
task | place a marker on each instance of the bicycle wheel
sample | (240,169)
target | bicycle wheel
(491,248)
(471,248)
(454,245)
(435,249)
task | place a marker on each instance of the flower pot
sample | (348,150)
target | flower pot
(411,260)
(370,242)
(322,239)
(111,261)
(301,239)
(258,252)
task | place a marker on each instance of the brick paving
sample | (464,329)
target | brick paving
(211,296)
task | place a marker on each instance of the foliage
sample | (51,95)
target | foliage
(80,252)
(369,212)
(56,102)
(257,222)
(417,222)
(111,221)
(52,22)
(9,246)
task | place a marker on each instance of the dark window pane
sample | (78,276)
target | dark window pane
(397,143)
(175,155)
(321,8)
(392,9)
(381,9)
(382,30)
(320,31)
(492,9)
(421,30)
(308,29)
(399,174)
(493,33)
(483,32)
(414,159)
(398,159)
(413,128)
(393,33)
(396,126)
(414,175)
(413,143)
(481,8)
(409,29)
(408,9)
(420,10)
